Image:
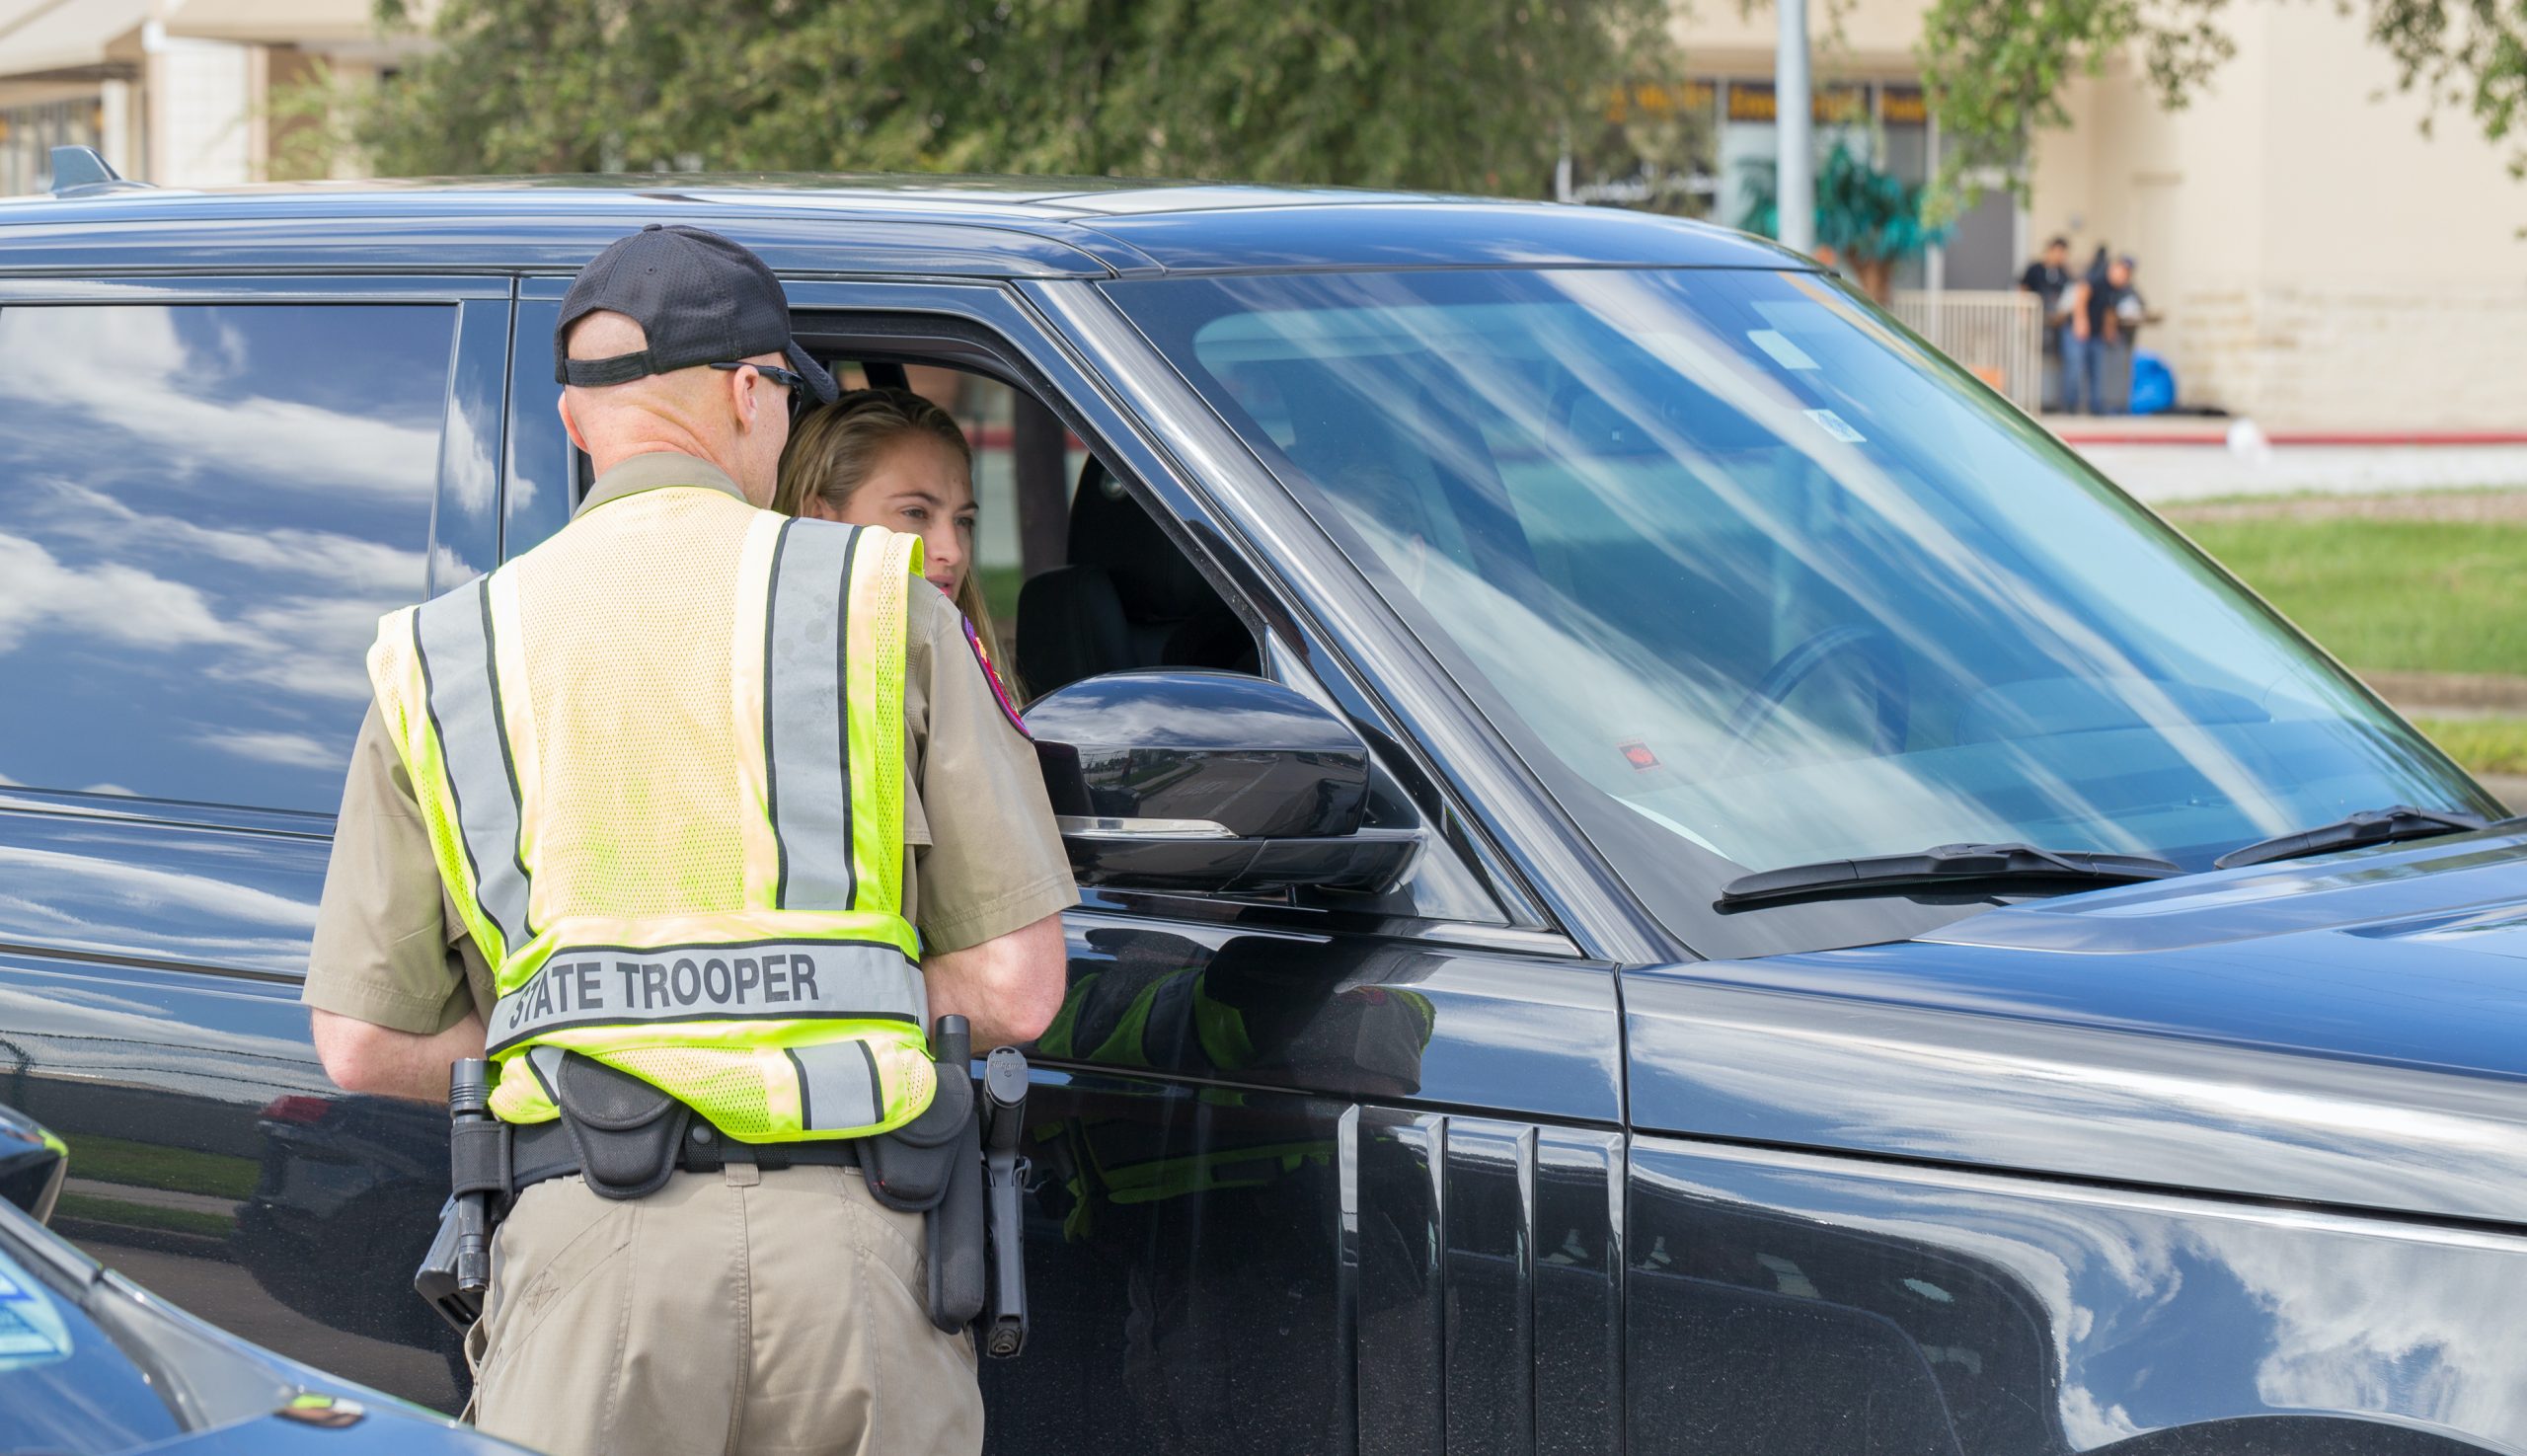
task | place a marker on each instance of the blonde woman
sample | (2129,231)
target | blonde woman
(888,457)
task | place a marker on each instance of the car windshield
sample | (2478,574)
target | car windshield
(1755,578)
(91,1366)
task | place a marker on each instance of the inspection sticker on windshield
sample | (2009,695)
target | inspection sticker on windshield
(1785,353)
(1832,423)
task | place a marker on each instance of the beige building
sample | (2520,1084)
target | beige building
(2323,263)
(184,92)
(2319,262)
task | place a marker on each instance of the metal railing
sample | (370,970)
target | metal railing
(1999,337)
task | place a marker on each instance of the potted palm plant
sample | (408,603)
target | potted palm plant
(1870,217)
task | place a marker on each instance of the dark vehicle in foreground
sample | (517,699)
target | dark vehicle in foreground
(93,1365)
(1654,852)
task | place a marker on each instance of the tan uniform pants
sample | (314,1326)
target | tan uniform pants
(740,1310)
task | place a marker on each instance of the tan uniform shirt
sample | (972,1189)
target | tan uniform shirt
(981,857)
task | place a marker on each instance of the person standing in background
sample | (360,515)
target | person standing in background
(2106,315)
(2048,277)
(2131,310)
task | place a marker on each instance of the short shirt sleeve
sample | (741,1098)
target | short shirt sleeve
(994,863)
(389,949)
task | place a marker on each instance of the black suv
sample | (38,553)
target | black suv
(1822,963)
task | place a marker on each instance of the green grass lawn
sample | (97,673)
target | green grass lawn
(2397,595)
(2409,585)
(2484,746)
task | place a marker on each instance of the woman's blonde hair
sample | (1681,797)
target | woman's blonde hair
(834,449)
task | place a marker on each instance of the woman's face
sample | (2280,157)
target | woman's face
(918,486)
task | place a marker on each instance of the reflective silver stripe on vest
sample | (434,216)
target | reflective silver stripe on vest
(760,980)
(837,1086)
(806,747)
(546,1063)
(460,679)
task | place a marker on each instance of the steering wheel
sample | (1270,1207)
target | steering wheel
(1876,653)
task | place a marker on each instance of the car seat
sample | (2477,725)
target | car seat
(1127,599)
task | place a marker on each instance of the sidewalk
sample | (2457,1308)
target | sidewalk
(2213,430)
(2187,457)
(2451,694)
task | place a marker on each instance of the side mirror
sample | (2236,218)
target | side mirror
(32,1163)
(1210,782)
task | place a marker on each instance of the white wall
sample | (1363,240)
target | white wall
(201,121)
(1870,37)
(2321,262)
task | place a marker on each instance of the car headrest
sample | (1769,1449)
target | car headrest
(1152,576)
(1070,626)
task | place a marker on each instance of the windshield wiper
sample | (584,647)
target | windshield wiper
(2369,826)
(1940,863)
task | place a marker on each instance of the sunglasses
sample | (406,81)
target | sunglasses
(790,380)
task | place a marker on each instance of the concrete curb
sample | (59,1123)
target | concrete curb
(2449,694)
(2349,439)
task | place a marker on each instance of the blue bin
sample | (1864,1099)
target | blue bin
(2153,385)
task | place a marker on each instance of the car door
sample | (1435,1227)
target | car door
(216,486)
(1305,1178)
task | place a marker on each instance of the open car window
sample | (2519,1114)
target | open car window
(1079,577)
(1081,580)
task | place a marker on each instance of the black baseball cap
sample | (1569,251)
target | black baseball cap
(701,298)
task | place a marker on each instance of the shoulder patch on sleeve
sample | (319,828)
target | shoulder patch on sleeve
(991,674)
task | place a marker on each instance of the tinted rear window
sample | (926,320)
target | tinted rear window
(205,509)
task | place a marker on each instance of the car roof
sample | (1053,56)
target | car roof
(843,225)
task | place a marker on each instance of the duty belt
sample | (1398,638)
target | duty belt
(957,1164)
(542,1151)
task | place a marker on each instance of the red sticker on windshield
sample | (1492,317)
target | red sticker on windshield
(1638,754)
(991,674)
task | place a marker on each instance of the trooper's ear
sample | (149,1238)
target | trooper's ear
(740,386)
(570,427)
(753,395)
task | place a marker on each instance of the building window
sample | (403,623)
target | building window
(1654,151)
(28,136)
(1704,148)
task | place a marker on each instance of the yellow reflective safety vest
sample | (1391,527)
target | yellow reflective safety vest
(660,759)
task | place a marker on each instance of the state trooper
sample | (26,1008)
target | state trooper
(641,816)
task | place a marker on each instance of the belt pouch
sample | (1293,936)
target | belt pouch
(908,1169)
(957,1246)
(626,1130)
(933,1165)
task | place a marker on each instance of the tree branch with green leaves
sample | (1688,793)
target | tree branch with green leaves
(1995,69)
(1471,96)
